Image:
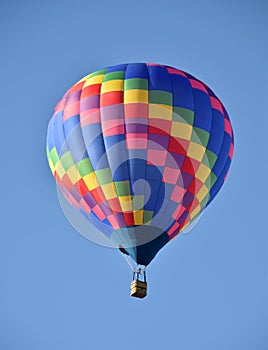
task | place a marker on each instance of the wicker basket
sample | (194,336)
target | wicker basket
(138,289)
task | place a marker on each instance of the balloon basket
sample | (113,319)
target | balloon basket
(138,289)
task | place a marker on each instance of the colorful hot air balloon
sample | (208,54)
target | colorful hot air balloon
(140,149)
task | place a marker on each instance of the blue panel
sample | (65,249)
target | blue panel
(218,184)
(150,204)
(159,79)
(136,70)
(74,139)
(50,135)
(160,198)
(182,92)
(117,155)
(118,68)
(110,141)
(137,168)
(144,254)
(122,172)
(222,157)
(58,133)
(202,110)
(97,154)
(90,132)
(104,228)
(71,123)
(154,173)
(216,132)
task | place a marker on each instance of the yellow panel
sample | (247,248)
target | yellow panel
(109,190)
(112,85)
(203,172)
(196,151)
(60,169)
(51,165)
(160,111)
(135,96)
(194,213)
(138,202)
(181,130)
(97,79)
(202,193)
(74,174)
(126,203)
(138,217)
(91,181)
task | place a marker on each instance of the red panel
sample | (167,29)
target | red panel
(84,206)
(129,219)
(111,98)
(98,195)
(71,110)
(190,166)
(100,214)
(67,182)
(81,187)
(136,110)
(179,147)
(91,90)
(195,186)
(114,204)
(60,105)
(113,221)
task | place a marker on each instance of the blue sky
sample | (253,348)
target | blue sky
(208,289)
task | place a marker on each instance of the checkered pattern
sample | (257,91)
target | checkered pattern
(140,121)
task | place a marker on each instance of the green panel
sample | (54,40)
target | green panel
(160,97)
(122,188)
(200,136)
(135,83)
(210,181)
(138,202)
(104,176)
(147,216)
(183,113)
(84,167)
(54,155)
(99,72)
(67,160)
(204,202)
(114,76)
(209,158)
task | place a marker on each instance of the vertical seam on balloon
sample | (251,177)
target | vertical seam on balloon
(128,167)
(179,229)
(101,125)
(61,125)
(221,173)
(84,143)
(220,151)
(66,137)
(166,205)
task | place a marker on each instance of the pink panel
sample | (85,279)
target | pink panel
(156,157)
(215,103)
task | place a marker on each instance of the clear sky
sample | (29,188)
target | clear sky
(208,289)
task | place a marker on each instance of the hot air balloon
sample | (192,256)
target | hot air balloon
(140,149)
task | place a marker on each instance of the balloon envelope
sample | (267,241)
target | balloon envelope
(140,149)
